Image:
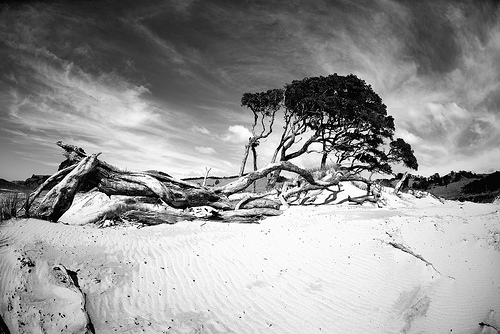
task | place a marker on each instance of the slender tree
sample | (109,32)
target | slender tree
(264,107)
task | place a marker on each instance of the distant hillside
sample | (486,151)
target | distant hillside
(485,189)
(32,182)
(488,183)
(452,190)
(11,186)
(461,186)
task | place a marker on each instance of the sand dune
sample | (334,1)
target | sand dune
(324,269)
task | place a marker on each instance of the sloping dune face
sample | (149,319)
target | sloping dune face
(422,268)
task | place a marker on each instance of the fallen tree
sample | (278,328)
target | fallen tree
(85,172)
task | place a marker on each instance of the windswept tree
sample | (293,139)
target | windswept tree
(343,118)
(264,107)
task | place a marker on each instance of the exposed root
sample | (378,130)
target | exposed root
(251,196)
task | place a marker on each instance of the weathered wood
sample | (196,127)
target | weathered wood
(257,212)
(206,175)
(400,183)
(243,182)
(73,152)
(49,183)
(59,198)
(250,196)
(362,199)
(155,217)
(259,203)
(172,192)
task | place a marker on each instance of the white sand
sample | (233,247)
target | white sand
(324,269)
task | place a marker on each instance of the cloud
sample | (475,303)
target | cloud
(237,134)
(205,149)
(49,98)
(168,77)
(167,48)
(200,129)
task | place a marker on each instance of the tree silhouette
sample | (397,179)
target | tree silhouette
(337,116)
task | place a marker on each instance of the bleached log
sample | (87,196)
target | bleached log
(250,213)
(112,180)
(59,198)
(362,199)
(250,196)
(243,182)
(50,182)
(400,183)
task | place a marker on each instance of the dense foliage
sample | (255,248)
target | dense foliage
(340,117)
(489,183)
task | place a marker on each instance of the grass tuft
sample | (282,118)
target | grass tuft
(10,205)
(320,172)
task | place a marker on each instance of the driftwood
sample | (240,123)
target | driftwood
(171,217)
(88,172)
(59,198)
(243,182)
(252,198)
(258,212)
(50,182)
(400,183)
(363,199)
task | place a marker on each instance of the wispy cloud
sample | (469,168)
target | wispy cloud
(52,99)
(205,149)
(200,129)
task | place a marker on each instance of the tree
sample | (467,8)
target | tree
(264,107)
(340,116)
(349,121)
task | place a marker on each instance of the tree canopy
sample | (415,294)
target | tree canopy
(340,117)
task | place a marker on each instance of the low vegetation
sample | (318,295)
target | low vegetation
(460,186)
(11,205)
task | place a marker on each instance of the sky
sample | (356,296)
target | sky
(158,84)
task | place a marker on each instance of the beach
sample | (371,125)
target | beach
(415,266)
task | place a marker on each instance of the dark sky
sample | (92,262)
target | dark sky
(157,84)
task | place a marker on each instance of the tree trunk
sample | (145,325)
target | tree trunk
(245,157)
(206,176)
(50,182)
(323,160)
(254,153)
(59,198)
